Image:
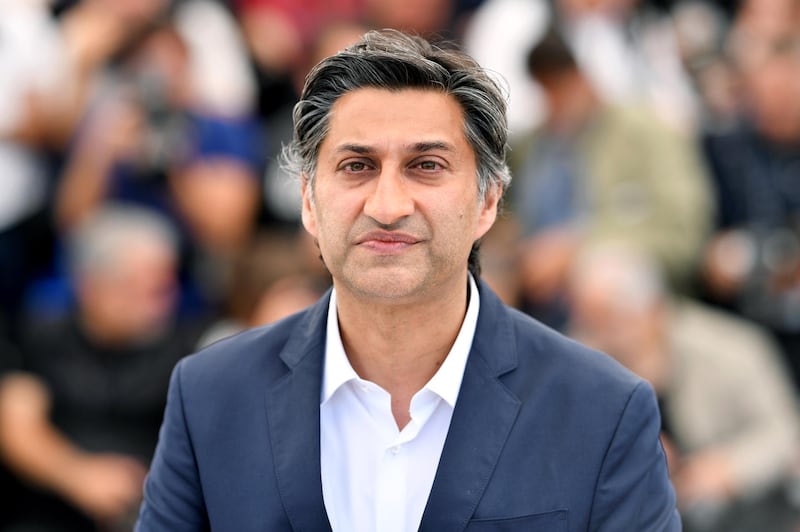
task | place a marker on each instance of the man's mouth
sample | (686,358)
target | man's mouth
(387,241)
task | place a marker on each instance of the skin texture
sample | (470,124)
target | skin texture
(395,210)
(395,207)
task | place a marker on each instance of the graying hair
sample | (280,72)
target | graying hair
(391,60)
(635,279)
(95,245)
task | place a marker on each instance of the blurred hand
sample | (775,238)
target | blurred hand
(92,32)
(118,129)
(703,477)
(728,259)
(107,486)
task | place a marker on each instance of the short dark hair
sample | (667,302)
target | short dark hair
(550,56)
(392,60)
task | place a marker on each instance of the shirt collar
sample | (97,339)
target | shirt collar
(337,370)
(445,383)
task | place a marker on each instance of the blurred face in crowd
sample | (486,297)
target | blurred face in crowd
(394,204)
(571,101)
(607,320)
(768,18)
(161,63)
(132,296)
(773,86)
(287,296)
(218,198)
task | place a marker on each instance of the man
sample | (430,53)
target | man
(751,265)
(409,397)
(80,421)
(728,405)
(595,172)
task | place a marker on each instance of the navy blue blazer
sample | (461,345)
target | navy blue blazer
(546,435)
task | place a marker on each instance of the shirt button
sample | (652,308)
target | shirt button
(396,449)
(364,388)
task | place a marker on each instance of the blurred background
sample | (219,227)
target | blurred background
(654,214)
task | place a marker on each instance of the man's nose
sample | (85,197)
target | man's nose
(390,200)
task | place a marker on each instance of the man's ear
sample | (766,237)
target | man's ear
(309,218)
(489,207)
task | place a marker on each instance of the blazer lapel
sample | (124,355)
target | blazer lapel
(293,416)
(482,420)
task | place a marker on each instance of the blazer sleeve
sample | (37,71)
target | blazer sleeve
(173,499)
(634,491)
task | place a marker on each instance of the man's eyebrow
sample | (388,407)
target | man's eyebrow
(417,147)
(354,148)
(421,147)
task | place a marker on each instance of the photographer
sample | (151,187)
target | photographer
(752,265)
(150,140)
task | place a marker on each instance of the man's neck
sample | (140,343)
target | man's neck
(400,346)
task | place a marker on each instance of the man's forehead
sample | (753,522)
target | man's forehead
(416,119)
(413,147)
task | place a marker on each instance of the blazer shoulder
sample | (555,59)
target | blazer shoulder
(528,353)
(544,353)
(254,353)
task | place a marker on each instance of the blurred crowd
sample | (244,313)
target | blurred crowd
(144,213)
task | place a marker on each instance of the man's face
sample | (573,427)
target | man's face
(395,204)
(133,297)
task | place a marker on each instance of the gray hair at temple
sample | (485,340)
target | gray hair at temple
(392,60)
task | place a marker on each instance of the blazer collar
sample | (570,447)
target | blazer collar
(293,417)
(483,417)
(482,420)
(494,336)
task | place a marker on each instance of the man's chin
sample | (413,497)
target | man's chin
(391,284)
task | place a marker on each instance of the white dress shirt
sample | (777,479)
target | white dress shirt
(374,476)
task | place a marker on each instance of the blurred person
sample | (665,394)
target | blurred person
(701,30)
(88,36)
(595,172)
(274,278)
(286,296)
(523,23)
(630,53)
(10,360)
(280,35)
(221,74)
(79,423)
(134,131)
(627,49)
(752,265)
(152,140)
(279,32)
(730,418)
(408,397)
(35,87)
(49,67)
(759,20)
(33,67)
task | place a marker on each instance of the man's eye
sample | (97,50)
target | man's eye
(429,165)
(355,167)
